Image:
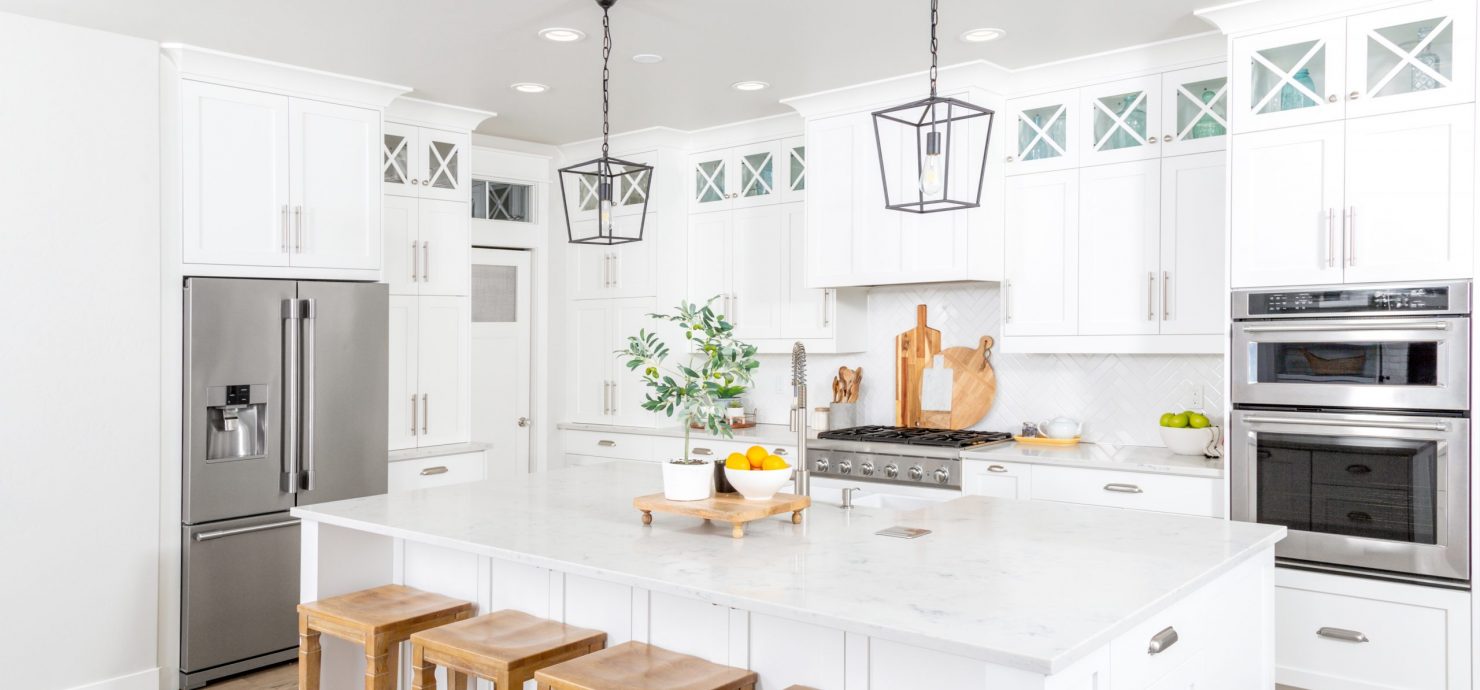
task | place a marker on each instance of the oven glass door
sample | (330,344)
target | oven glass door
(1396,364)
(1375,491)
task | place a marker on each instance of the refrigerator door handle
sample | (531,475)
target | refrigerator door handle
(309,310)
(290,318)
(218,534)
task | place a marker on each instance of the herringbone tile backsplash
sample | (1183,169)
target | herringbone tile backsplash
(1118,397)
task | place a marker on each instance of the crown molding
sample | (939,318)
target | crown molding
(204,64)
(415,111)
(1248,16)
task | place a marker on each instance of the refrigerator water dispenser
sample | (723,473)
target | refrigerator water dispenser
(236,422)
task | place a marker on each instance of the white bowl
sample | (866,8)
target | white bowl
(1187,441)
(758,485)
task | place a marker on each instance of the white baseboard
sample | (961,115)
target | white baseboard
(143,680)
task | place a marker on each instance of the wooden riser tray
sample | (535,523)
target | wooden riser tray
(732,508)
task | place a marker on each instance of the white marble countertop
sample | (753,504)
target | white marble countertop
(1149,459)
(1028,584)
(436,451)
(765,434)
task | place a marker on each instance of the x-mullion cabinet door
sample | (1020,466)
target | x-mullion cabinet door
(444,164)
(793,179)
(401,168)
(1415,56)
(1122,120)
(711,184)
(1119,244)
(757,174)
(1294,76)
(1194,107)
(1044,133)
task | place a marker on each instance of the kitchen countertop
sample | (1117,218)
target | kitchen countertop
(1148,459)
(1035,585)
(765,434)
(436,451)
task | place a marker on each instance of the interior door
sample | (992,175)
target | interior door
(335,154)
(1420,55)
(1287,228)
(1192,254)
(1040,290)
(1119,233)
(403,425)
(501,358)
(589,371)
(236,189)
(445,170)
(446,237)
(402,244)
(1410,195)
(443,354)
(758,272)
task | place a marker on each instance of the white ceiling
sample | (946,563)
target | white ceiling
(468,52)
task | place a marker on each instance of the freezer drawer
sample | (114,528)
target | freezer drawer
(239,590)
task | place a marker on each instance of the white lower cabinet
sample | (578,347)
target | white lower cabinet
(586,447)
(1162,493)
(442,470)
(429,352)
(997,479)
(1344,633)
(602,390)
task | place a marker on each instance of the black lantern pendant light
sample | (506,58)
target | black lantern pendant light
(590,191)
(924,165)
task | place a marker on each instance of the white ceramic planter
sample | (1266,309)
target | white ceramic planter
(688,482)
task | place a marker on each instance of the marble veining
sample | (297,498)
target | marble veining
(1147,459)
(1032,585)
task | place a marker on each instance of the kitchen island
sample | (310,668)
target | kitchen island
(1001,594)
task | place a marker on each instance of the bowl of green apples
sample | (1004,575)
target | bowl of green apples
(1188,433)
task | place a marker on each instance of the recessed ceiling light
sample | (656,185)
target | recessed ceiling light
(983,35)
(647,58)
(528,87)
(561,34)
(749,85)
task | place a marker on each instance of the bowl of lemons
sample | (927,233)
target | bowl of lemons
(1188,433)
(756,473)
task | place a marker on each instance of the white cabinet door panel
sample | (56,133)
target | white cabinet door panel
(445,248)
(709,258)
(1286,224)
(1119,222)
(830,204)
(1041,285)
(236,184)
(1122,120)
(1410,195)
(1045,133)
(404,420)
(588,267)
(1192,225)
(402,246)
(628,390)
(336,175)
(590,371)
(1194,110)
(805,312)
(633,263)
(997,479)
(757,276)
(444,167)
(444,353)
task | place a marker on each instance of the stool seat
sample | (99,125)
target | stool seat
(384,607)
(506,647)
(379,620)
(638,666)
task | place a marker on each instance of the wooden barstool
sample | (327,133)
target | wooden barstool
(506,647)
(638,666)
(379,619)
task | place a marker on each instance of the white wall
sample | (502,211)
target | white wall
(79,357)
(1118,397)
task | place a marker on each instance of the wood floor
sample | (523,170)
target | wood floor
(280,677)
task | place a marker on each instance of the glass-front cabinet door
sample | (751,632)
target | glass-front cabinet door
(1122,120)
(445,173)
(1416,56)
(1044,133)
(398,159)
(757,174)
(710,187)
(793,169)
(1195,110)
(1290,77)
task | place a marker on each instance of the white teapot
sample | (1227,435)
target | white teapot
(1060,427)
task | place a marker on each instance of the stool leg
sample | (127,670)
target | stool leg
(380,664)
(308,655)
(457,680)
(423,674)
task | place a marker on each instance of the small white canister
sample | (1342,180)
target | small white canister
(820,418)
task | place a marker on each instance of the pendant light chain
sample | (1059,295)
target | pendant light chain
(934,43)
(606,76)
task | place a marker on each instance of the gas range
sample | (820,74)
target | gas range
(896,455)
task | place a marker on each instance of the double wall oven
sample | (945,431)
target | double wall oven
(1351,426)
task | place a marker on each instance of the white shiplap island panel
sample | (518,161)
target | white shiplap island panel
(1002,594)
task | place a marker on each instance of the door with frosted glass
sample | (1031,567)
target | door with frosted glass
(1416,56)
(1290,77)
(501,414)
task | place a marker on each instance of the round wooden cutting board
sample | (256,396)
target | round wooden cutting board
(973,387)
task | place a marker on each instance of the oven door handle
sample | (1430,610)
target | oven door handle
(1419,426)
(1348,326)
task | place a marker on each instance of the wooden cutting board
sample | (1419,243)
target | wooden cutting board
(914,350)
(973,387)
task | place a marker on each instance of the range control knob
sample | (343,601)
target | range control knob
(867,468)
(891,470)
(942,475)
(845,467)
(820,465)
(917,473)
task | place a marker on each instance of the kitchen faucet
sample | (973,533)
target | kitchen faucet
(800,477)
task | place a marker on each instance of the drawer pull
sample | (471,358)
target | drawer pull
(1342,634)
(1124,488)
(778,451)
(996,468)
(1359,516)
(703,451)
(1162,641)
(607,443)
(1358,469)
(439,469)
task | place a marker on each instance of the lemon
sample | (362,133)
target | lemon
(756,454)
(774,462)
(737,461)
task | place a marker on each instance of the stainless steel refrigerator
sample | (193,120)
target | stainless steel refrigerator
(284,405)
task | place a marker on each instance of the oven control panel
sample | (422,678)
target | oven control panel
(1445,298)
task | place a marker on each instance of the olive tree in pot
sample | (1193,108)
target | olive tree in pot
(716,367)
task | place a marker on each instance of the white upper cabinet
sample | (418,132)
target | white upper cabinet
(1043,132)
(1193,214)
(1415,56)
(402,227)
(1194,115)
(425,162)
(236,176)
(1410,196)
(1290,77)
(1119,221)
(620,270)
(335,186)
(793,169)
(601,388)
(832,168)
(758,276)
(1124,120)
(1286,219)
(428,246)
(429,357)
(399,161)
(1041,285)
(739,177)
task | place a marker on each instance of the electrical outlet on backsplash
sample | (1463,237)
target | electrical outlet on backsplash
(1118,397)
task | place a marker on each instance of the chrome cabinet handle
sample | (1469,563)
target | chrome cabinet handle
(415,181)
(426,182)
(778,451)
(996,468)
(1010,159)
(702,451)
(734,308)
(286,229)
(522,422)
(298,229)
(1162,641)
(217,534)
(1150,295)
(1316,421)
(310,328)
(1166,296)
(1355,95)
(413,414)
(426,414)
(605,407)
(1151,140)
(1342,634)
(426,261)
(415,252)
(1167,138)
(439,469)
(1351,236)
(1123,488)
(1331,98)
(616,263)
(1007,298)
(1330,238)
(607,443)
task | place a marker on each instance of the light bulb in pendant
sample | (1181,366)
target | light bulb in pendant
(932,172)
(604,204)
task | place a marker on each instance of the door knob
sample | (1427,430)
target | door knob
(523,421)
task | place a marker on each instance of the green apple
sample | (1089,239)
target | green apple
(1198,421)
(1178,421)
(1166,419)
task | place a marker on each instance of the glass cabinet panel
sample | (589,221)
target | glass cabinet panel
(757,174)
(1288,77)
(504,201)
(1201,109)
(1043,133)
(1416,56)
(797,179)
(709,181)
(395,150)
(1120,121)
(442,164)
